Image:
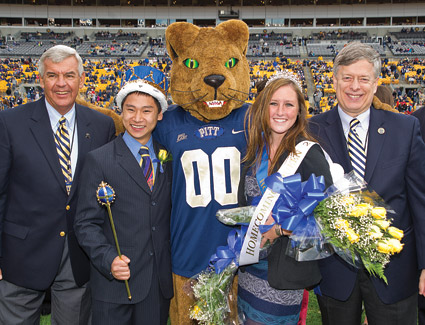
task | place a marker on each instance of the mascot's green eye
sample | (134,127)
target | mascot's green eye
(231,63)
(191,63)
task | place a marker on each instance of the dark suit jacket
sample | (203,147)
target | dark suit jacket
(395,169)
(141,218)
(35,211)
(420,114)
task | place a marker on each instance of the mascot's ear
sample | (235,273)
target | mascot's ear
(237,32)
(179,36)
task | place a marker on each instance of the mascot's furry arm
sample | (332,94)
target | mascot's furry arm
(119,127)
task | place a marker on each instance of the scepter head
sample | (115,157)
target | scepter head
(105,194)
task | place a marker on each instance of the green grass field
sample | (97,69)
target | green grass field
(313,314)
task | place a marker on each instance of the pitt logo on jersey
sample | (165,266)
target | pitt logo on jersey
(209,132)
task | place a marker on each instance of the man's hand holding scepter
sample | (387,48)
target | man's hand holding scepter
(106,195)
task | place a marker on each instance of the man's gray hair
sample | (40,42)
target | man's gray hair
(57,54)
(356,51)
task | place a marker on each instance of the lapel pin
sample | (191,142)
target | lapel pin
(87,135)
(381,130)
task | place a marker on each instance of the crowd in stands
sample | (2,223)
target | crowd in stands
(407,47)
(103,75)
(408,42)
(31,37)
(281,48)
(110,49)
(157,48)
(105,44)
(106,35)
(263,69)
(338,35)
(103,79)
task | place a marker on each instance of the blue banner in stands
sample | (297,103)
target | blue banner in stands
(147,73)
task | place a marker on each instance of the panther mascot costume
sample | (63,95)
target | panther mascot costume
(205,134)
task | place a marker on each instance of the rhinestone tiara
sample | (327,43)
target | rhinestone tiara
(285,74)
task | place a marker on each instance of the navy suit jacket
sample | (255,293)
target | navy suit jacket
(141,218)
(420,114)
(395,169)
(36,214)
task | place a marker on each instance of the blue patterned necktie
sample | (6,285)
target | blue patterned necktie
(64,152)
(356,150)
(146,164)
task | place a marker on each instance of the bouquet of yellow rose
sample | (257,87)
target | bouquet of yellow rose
(355,221)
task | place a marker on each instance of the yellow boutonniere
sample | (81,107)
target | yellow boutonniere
(163,157)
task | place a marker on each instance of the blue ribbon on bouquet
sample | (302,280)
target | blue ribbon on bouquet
(225,255)
(297,200)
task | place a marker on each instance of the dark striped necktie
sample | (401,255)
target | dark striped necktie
(64,152)
(356,150)
(146,164)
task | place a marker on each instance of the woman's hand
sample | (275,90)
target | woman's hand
(275,232)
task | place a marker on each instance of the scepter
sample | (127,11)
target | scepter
(106,195)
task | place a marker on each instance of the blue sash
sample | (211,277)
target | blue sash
(262,171)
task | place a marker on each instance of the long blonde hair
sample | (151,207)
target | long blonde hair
(258,125)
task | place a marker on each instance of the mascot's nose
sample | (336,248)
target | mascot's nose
(214,80)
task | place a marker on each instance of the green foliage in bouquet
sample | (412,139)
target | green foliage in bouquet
(236,216)
(358,228)
(211,294)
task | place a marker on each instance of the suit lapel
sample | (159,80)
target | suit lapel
(43,134)
(127,161)
(376,140)
(338,144)
(159,177)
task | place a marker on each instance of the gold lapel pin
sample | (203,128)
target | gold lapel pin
(381,130)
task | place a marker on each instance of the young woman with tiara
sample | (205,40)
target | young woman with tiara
(271,291)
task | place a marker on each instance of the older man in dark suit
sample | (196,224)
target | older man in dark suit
(141,215)
(391,159)
(42,148)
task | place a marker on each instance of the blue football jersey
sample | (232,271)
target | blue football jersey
(206,172)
